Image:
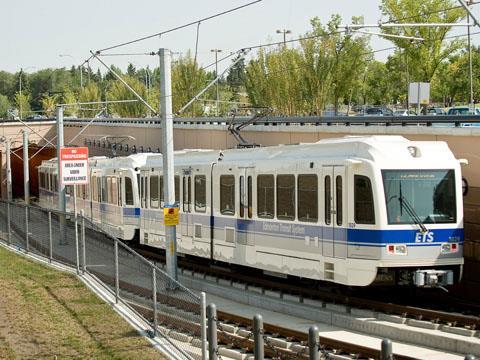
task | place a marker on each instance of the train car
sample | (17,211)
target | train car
(354,211)
(110,200)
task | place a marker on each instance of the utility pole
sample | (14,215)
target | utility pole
(9,171)
(284,32)
(216,51)
(26,173)
(61,188)
(20,92)
(167,153)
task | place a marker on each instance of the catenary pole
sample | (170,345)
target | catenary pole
(26,174)
(9,171)
(61,187)
(167,144)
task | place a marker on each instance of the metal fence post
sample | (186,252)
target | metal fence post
(258,337)
(117,280)
(26,228)
(203,324)
(313,345)
(77,250)
(212,331)
(154,289)
(50,239)
(84,251)
(9,235)
(386,352)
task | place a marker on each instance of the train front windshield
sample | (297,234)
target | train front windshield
(426,196)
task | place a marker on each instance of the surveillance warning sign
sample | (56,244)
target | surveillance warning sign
(74,166)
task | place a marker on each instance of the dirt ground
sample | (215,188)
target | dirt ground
(49,314)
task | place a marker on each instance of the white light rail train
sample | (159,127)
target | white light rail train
(355,211)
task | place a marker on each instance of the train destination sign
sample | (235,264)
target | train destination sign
(74,165)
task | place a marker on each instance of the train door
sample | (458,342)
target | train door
(244,232)
(187,220)
(334,244)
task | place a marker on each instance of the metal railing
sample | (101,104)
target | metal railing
(136,282)
(428,120)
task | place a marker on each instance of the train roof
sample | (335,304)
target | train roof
(386,150)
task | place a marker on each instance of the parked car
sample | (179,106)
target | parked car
(404,112)
(378,112)
(436,111)
(462,110)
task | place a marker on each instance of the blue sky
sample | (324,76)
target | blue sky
(34,33)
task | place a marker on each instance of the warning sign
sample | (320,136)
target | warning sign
(171,216)
(74,166)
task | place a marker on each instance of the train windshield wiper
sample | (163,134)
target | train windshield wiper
(411,211)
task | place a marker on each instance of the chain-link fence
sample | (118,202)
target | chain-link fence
(173,311)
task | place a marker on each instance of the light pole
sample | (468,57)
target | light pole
(284,32)
(79,68)
(216,51)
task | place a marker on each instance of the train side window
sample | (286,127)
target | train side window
(154,192)
(227,194)
(162,199)
(200,193)
(328,201)
(108,192)
(114,192)
(99,189)
(265,196)
(185,196)
(94,188)
(339,199)
(119,190)
(242,196)
(307,198)
(177,189)
(42,180)
(363,198)
(189,192)
(55,183)
(249,199)
(286,197)
(128,191)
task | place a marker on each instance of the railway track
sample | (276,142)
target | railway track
(455,319)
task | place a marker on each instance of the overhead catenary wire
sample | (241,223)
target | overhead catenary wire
(177,27)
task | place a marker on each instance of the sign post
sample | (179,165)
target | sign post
(74,171)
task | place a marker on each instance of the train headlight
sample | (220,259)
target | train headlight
(397,249)
(449,248)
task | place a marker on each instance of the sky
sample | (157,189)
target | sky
(35,33)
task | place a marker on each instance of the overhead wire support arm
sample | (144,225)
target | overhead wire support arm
(387,35)
(242,54)
(96,56)
(400,25)
(469,12)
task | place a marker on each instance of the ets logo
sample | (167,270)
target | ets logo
(424,237)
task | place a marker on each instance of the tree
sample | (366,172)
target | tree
(68,97)
(22,102)
(424,57)
(187,81)
(118,91)
(89,93)
(4,106)
(49,103)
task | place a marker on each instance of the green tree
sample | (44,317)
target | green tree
(187,81)
(89,93)
(49,103)
(4,106)
(22,103)
(424,57)
(69,97)
(118,91)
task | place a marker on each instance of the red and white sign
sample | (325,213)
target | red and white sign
(74,166)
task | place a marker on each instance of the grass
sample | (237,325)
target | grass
(45,313)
